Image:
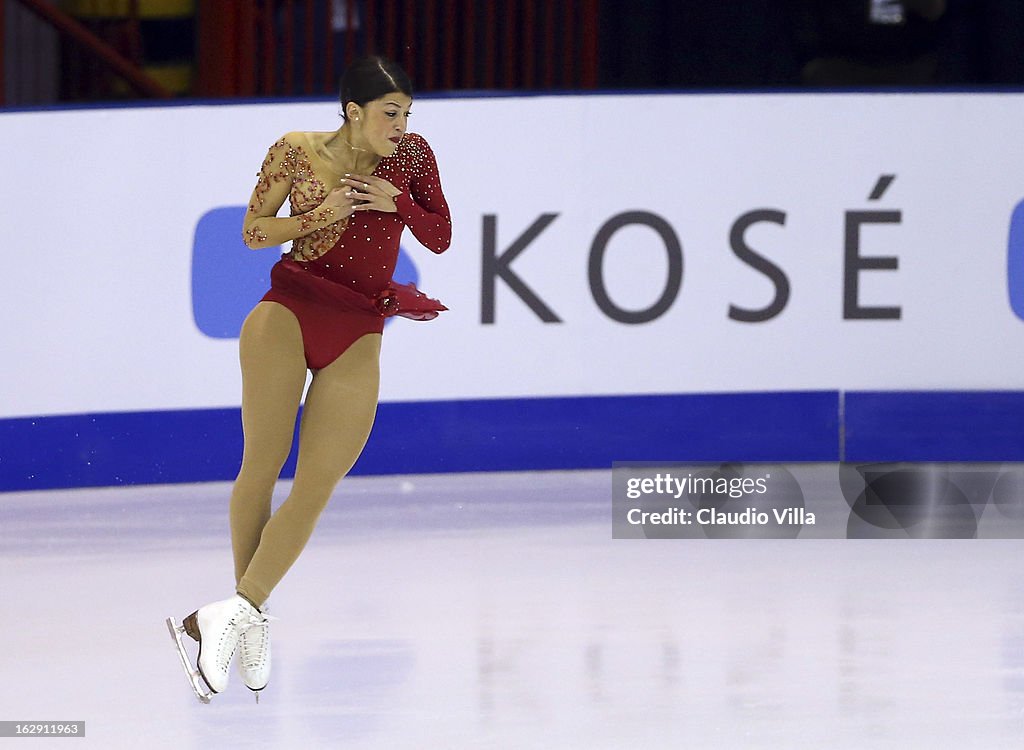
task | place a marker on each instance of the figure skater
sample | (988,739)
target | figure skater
(351,193)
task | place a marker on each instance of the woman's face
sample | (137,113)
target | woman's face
(383,122)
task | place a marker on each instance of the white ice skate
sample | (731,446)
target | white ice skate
(254,652)
(218,627)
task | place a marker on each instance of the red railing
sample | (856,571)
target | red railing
(297,47)
(95,50)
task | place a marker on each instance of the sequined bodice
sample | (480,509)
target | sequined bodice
(289,161)
(362,250)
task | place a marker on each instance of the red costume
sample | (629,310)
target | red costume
(337,280)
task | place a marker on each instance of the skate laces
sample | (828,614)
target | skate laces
(253,640)
(227,646)
(239,620)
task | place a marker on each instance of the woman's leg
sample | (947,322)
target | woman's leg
(273,376)
(336,422)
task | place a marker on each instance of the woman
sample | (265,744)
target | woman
(351,191)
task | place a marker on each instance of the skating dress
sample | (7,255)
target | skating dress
(337,280)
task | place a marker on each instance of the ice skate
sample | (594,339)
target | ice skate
(217,628)
(254,652)
(194,678)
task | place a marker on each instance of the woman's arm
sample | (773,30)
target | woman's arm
(262,227)
(423,209)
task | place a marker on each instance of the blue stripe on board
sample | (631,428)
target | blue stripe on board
(534,434)
(91,450)
(425,437)
(935,426)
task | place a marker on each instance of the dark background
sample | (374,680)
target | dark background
(261,48)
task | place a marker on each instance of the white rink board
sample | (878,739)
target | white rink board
(98,226)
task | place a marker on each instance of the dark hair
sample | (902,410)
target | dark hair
(369,78)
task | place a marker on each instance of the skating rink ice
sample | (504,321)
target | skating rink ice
(496,611)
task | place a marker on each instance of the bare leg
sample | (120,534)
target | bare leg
(273,376)
(336,422)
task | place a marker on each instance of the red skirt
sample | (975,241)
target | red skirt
(333,317)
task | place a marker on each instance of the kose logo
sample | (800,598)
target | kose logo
(1015,261)
(497,264)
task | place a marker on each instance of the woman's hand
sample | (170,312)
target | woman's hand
(373,193)
(342,200)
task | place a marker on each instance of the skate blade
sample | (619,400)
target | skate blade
(190,672)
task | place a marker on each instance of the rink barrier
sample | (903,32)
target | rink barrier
(825,263)
(432,436)
(934,426)
(91,450)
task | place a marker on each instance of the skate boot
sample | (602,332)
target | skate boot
(254,652)
(217,627)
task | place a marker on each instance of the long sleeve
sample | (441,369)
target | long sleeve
(423,208)
(285,168)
